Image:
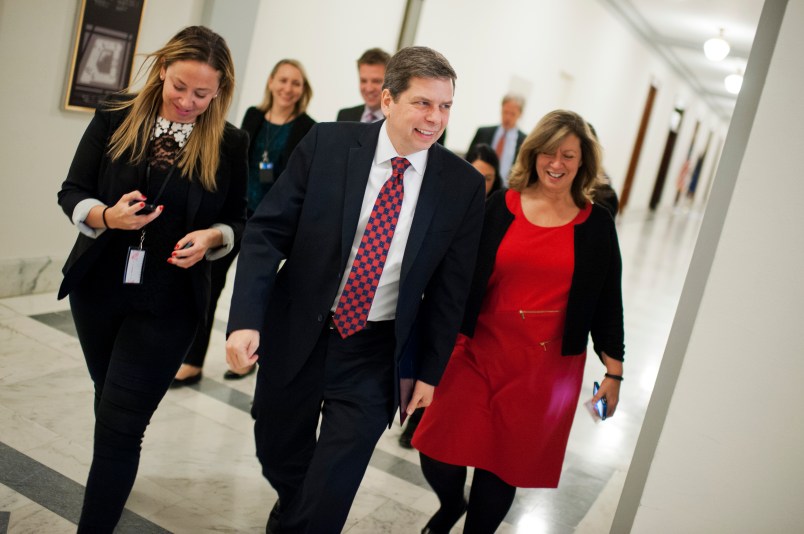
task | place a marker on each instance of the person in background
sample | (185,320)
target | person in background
(371,71)
(157,190)
(275,127)
(484,160)
(378,228)
(506,138)
(604,194)
(548,273)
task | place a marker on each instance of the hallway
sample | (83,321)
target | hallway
(198,471)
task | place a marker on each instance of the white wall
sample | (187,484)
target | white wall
(721,446)
(573,54)
(327,38)
(604,75)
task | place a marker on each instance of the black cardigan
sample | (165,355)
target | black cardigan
(595,301)
(252,122)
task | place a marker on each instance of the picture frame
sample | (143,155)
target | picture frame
(103,52)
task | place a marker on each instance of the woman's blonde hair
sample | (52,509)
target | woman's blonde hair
(545,138)
(304,99)
(201,154)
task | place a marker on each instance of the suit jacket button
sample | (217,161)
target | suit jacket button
(320,318)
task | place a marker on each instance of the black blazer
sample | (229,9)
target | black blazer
(595,302)
(309,218)
(93,174)
(351,114)
(252,122)
(486,135)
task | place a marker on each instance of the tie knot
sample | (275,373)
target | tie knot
(399,166)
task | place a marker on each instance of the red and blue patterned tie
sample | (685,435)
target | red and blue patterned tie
(358,293)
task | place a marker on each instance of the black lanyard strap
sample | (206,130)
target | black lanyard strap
(164,183)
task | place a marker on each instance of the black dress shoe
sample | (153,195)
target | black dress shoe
(231,375)
(189,381)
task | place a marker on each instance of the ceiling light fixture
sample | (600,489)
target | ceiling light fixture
(716,48)
(734,82)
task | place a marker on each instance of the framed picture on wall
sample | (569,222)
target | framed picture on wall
(103,52)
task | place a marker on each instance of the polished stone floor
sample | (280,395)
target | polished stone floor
(199,473)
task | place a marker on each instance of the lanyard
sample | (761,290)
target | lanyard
(164,183)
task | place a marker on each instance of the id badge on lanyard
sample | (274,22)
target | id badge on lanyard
(266,169)
(135,263)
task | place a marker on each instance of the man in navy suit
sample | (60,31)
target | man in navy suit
(371,71)
(505,138)
(314,218)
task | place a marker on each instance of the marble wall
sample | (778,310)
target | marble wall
(26,276)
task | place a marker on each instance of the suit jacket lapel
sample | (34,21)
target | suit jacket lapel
(432,186)
(357,174)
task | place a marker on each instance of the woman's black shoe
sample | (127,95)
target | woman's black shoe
(231,375)
(189,381)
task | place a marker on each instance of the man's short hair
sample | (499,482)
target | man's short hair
(415,62)
(374,56)
(519,100)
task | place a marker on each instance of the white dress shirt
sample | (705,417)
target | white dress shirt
(507,159)
(383,307)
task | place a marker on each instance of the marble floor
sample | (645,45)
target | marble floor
(199,473)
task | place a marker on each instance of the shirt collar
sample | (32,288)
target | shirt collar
(385,151)
(376,112)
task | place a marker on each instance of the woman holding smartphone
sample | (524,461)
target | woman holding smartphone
(157,190)
(548,273)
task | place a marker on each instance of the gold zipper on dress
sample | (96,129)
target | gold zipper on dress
(524,312)
(544,343)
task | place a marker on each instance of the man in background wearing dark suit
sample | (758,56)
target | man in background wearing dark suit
(505,138)
(378,226)
(371,70)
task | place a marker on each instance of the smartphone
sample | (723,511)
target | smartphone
(601,406)
(148,208)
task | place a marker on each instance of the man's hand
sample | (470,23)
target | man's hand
(241,348)
(422,396)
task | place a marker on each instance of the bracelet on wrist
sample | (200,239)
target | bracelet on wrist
(103,216)
(618,378)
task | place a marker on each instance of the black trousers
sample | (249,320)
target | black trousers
(348,383)
(132,357)
(219,269)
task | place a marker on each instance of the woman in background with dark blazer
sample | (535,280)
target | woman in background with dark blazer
(157,187)
(274,127)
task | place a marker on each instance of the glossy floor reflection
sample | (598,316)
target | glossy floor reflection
(199,472)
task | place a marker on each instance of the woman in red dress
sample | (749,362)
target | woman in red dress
(548,274)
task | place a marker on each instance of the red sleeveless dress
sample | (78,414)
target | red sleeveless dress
(508,397)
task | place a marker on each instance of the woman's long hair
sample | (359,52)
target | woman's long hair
(545,139)
(304,99)
(201,154)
